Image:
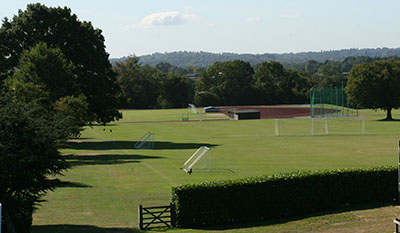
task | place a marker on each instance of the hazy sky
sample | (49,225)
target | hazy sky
(240,26)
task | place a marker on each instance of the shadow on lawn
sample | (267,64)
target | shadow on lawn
(79,229)
(69,184)
(106,159)
(118,145)
(285,220)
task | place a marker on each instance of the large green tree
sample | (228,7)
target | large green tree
(81,44)
(375,85)
(45,76)
(267,78)
(138,83)
(231,81)
(274,84)
(176,91)
(47,67)
(29,140)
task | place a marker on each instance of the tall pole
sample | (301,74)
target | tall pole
(0,216)
(311,102)
(342,101)
(398,175)
(336,103)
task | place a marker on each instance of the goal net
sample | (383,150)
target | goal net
(200,160)
(146,141)
(331,102)
(320,126)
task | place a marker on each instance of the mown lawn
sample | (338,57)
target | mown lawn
(109,179)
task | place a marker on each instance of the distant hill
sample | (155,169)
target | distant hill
(205,59)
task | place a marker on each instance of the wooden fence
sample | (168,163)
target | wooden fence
(156,215)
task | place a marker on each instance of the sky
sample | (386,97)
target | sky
(140,27)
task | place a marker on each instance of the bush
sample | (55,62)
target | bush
(280,195)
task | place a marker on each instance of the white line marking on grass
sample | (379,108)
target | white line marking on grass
(158,172)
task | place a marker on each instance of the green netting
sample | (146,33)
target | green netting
(331,102)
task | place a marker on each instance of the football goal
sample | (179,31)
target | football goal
(320,126)
(195,110)
(200,160)
(146,141)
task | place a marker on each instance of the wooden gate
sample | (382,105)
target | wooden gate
(156,215)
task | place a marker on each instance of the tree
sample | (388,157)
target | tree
(330,75)
(266,82)
(375,85)
(176,91)
(276,85)
(74,112)
(206,98)
(138,83)
(312,66)
(45,76)
(47,67)
(78,41)
(29,141)
(231,81)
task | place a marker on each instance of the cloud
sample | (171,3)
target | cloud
(188,8)
(253,20)
(211,25)
(168,18)
(292,15)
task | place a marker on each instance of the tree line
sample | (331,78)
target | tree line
(206,59)
(233,82)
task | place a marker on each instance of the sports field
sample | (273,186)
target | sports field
(109,179)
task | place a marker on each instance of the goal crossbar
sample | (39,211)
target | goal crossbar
(200,153)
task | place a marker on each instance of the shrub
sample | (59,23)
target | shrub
(280,195)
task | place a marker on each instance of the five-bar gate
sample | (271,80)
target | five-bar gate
(156,215)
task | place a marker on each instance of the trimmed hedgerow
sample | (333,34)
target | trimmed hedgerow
(280,195)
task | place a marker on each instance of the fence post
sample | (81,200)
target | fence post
(172,208)
(140,209)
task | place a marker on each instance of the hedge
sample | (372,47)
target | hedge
(281,195)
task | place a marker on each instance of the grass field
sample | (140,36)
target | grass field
(109,179)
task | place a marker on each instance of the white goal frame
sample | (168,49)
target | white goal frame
(326,124)
(195,110)
(146,141)
(201,153)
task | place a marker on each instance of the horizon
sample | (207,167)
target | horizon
(322,51)
(251,27)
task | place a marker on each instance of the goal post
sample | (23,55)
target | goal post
(325,126)
(195,110)
(320,126)
(203,153)
(146,141)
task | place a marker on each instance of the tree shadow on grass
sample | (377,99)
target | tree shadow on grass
(69,184)
(285,220)
(67,228)
(391,120)
(118,145)
(106,159)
